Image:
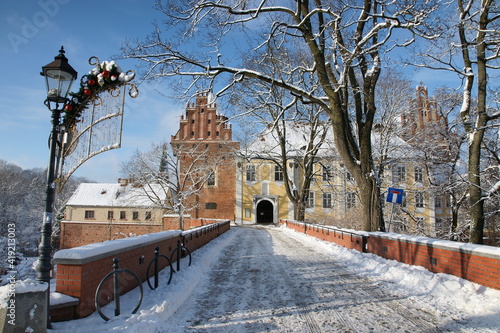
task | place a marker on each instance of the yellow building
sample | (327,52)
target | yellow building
(333,197)
(117,203)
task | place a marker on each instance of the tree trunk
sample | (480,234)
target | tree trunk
(477,134)
(299,211)
(475,191)
(369,193)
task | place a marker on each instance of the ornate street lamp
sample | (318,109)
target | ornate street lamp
(59,77)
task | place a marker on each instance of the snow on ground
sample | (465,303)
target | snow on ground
(448,302)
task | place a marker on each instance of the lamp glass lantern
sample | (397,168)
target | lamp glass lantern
(59,76)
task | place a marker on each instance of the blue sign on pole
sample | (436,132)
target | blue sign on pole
(395,195)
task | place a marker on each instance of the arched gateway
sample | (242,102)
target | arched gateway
(265,212)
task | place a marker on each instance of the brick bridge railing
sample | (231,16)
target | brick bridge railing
(476,263)
(79,270)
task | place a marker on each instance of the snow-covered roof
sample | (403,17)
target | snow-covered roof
(117,195)
(393,146)
(298,135)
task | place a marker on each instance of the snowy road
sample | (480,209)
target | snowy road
(267,279)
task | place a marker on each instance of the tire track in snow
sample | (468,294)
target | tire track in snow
(344,324)
(267,281)
(383,313)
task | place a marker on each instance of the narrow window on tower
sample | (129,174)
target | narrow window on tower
(211,205)
(211,178)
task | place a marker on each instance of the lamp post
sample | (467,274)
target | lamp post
(59,77)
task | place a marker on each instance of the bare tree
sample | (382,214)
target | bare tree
(393,95)
(341,46)
(21,203)
(470,47)
(159,172)
(147,170)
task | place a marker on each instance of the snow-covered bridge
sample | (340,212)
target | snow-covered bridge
(255,279)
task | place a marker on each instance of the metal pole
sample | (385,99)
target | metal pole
(178,255)
(45,247)
(157,251)
(390,219)
(116,286)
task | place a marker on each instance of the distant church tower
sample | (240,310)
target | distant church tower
(207,153)
(422,116)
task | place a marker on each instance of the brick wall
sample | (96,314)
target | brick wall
(80,270)
(196,238)
(476,263)
(171,222)
(350,240)
(74,234)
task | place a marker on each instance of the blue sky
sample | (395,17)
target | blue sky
(32,33)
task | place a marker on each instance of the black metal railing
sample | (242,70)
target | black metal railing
(118,286)
(156,269)
(180,251)
(122,281)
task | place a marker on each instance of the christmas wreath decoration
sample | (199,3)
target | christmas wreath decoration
(104,76)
